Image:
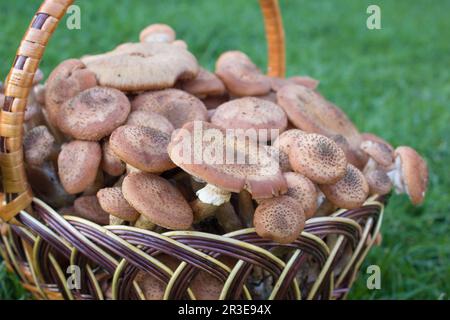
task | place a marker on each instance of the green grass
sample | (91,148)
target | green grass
(393,82)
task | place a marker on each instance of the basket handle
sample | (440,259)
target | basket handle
(18,194)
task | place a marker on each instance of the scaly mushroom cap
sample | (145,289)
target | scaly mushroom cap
(111,163)
(112,201)
(278,83)
(67,80)
(38,145)
(205,286)
(303,191)
(157,33)
(350,192)
(382,153)
(78,164)
(318,158)
(241,76)
(89,208)
(145,118)
(283,144)
(378,180)
(156,199)
(204,84)
(93,113)
(252,168)
(142,147)
(355,157)
(177,106)
(143,66)
(152,288)
(250,113)
(279,219)
(414,173)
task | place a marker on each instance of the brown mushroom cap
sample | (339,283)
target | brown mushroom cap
(241,76)
(250,113)
(204,84)
(67,80)
(378,181)
(303,191)
(260,175)
(279,219)
(146,118)
(142,147)
(283,143)
(112,201)
(111,163)
(355,156)
(278,83)
(78,164)
(205,286)
(143,66)
(177,106)
(318,158)
(382,153)
(93,113)
(89,208)
(38,145)
(152,288)
(157,32)
(414,172)
(156,199)
(350,192)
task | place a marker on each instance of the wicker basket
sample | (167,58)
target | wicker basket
(38,244)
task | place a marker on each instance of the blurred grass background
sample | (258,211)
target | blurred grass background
(394,82)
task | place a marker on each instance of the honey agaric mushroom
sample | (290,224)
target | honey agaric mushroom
(283,144)
(93,113)
(378,180)
(204,84)
(318,158)
(151,287)
(157,32)
(279,219)
(39,146)
(303,191)
(278,83)
(206,286)
(146,118)
(241,76)
(141,147)
(78,164)
(409,174)
(353,157)
(111,163)
(349,192)
(157,200)
(251,113)
(112,201)
(89,208)
(143,66)
(67,80)
(379,152)
(177,106)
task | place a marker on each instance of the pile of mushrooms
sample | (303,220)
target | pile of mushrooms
(103,135)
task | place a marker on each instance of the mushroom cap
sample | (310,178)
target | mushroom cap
(157,32)
(318,158)
(241,76)
(414,172)
(152,288)
(205,286)
(350,192)
(112,201)
(305,81)
(146,118)
(303,191)
(67,80)
(38,144)
(93,113)
(38,77)
(382,153)
(279,219)
(89,208)
(378,180)
(204,84)
(212,102)
(142,147)
(143,66)
(180,43)
(283,143)
(355,156)
(111,163)
(177,106)
(250,113)
(252,168)
(78,164)
(158,200)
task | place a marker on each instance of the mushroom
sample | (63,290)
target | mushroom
(409,174)
(39,146)
(146,118)
(39,93)
(89,208)
(204,84)
(303,191)
(354,157)
(282,145)
(112,201)
(111,164)
(279,219)
(93,113)
(349,192)
(380,153)
(157,33)
(143,66)
(241,76)
(206,286)
(318,158)
(157,200)
(151,287)
(143,148)
(177,106)
(181,44)
(78,164)
(378,180)
(212,102)
(278,83)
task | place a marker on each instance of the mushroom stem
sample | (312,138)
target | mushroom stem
(209,199)
(227,218)
(143,223)
(246,208)
(202,210)
(115,221)
(396,177)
